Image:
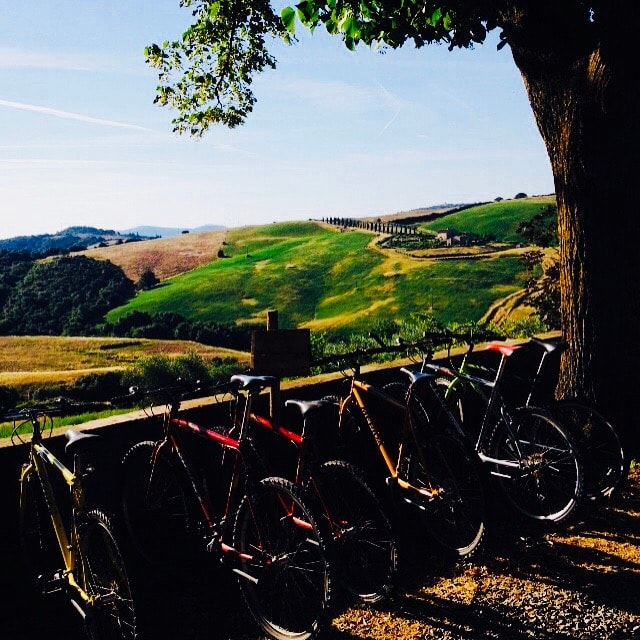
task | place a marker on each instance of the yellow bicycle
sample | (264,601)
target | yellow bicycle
(68,546)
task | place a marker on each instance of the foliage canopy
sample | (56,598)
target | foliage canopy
(65,296)
(207,74)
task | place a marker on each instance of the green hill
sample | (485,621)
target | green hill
(498,219)
(321,278)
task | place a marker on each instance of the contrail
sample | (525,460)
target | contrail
(68,115)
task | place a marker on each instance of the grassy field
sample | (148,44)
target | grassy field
(321,278)
(166,257)
(499,219)
(315,275)
(33,360)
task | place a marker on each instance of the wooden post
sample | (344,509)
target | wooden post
(272,320)
(274,394)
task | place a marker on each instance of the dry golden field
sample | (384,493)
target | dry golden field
(41,359)
(166,257)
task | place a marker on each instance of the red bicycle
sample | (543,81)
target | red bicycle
(363,545)
(175,493)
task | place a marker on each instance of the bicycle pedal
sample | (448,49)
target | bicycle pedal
(52,583)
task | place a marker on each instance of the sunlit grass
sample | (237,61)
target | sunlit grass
(25,429)
(320,278)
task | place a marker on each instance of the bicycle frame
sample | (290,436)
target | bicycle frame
(360,392)
(41,460)
(493,401)
(218,529)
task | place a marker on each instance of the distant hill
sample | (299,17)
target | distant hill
(497,219)
(170,232)
(326,279)
(421,214)
(70,239)
(166,257)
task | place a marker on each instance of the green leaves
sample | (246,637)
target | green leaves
(207,74)
(288,17)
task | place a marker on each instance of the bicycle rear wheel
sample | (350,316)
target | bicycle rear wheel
(363,541)
(455,511)
(282,566)
(600,448)
(102,574)
(154,507)
(540,473)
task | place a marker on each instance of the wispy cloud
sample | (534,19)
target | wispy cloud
(17,58)
(68,115)
(330,96)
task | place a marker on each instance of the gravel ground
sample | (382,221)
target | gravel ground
(578,583)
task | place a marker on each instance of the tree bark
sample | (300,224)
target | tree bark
(583,89)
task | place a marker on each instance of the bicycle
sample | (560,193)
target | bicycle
(529,452)
(363,544)
(262,529)
(68,546)
(430,468)
(601,451)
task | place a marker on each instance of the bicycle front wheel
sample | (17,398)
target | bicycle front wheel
(600,448)
(539,470)
(364,545)
(451,475)
(110,614)
(282,565)
(37,541)
(154,507)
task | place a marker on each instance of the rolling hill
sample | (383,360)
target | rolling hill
(166,257)
(325,279)
(498,219)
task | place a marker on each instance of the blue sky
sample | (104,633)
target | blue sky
(334,133)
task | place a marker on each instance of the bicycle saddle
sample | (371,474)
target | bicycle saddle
(548,346)
(77,440)
(306,406)
(253,383)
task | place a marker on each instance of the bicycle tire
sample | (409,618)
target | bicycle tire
(350,433)
(364,545)
(283,569)
(545,479)
(37,540)
(601,451)
(153,505)
(456,510)
(102,574)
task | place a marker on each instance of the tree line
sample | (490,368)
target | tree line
(71,295)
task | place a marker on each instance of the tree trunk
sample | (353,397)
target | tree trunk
(584,95)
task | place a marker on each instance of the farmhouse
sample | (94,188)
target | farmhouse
(452,237)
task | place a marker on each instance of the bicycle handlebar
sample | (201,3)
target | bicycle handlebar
(172,393)
(426,344)
(60,407)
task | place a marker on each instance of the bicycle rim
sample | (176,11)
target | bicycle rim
(456,512)
(544,481)
(600,448)
(283,569)
(102,573)
(364,544)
